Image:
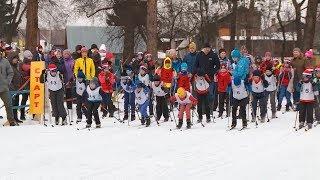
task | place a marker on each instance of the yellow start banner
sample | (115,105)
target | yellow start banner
(36,88)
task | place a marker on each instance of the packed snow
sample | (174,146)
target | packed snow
(272,151)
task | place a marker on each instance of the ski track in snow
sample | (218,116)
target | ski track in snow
(270,152)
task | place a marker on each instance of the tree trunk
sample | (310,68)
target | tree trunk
(128,47)
(309,30)
(283,44)
(152,37)
(233,31)
(250,26)
(297,21)
(32,25)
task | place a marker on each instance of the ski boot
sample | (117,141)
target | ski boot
(111,113)
(301,125)
(287,108)
(208,120)
(148,122)
(233,124)
(125,117)
(13,123)
(188,124)
(98,126)
(133,117)
(78,120)
(279,107)
(254,118)
(309,126)
(88,126)
(104,115)
(244,123)
(263,119)
(64,121)
(19,121)
(143,121)
(166,119)
(220,115)
(273,115)
(57,121)
(199,121)
(180,124)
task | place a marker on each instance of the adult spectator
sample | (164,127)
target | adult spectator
(38,55)
(137,62)
(15,84)
(208,62)
(58,60)
(85,64)
(68,77)
(6,75)
(190,58)
(77,54)
(95,56)
(298,64)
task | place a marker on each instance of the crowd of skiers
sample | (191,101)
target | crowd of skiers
(207,80)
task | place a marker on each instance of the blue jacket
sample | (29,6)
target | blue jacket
(176,65)
(190,59)
(241,68)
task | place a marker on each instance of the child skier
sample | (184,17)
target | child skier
(142,99)
(271,89)
(80,88)
(202,92)
(128,85)
(185,100)
(160,93)
(307,99)
(240,99)
(53,80)
(144,77)
(223,82)
(285,77)
(107,80)
(258,95)
(166,73)
(183,78)
(93,95)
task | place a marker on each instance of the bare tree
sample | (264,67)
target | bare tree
(32,25)
(283,44)
(311,18)
(298,9)
(152,37)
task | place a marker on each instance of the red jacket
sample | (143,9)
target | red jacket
(264,65)
(184,81)
(107,81)
(285,76)
(224,79)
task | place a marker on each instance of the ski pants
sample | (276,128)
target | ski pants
(203,105)
(162,107)
(129,100)
(242,104)
(6,101)
(306,112)
(80,108)
(16,102)
(69,97)
(184,108)
(93,111)
(143,109)
(108,104)
(296,94)
(151,101)
(284,93)
(272,96)
(224,101)
(261,98)
(57,103)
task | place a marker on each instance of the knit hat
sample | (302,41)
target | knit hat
(222,50)
(78,47)
(235,53)
(184,66)
(27,54)
(181,92)
(143,68)
(84,49)
(297,49)
(193,45)
(236,80)
(156,77)
(309,54)
(52,67)
(81,75)
(94,46)
(256,73)
(207,45)
(307,72)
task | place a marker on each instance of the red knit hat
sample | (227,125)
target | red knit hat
(52,67)
(307,72)
(109,56)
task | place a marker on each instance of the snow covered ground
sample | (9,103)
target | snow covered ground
(270,152)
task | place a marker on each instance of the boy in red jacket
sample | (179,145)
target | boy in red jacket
(285,77)
(224,80)
(107,80)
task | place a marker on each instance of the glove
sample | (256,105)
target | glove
(43,71)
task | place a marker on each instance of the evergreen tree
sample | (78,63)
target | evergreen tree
(6,11)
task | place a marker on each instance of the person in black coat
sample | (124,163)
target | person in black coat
(207,61)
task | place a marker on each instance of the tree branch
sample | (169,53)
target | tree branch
(98,10)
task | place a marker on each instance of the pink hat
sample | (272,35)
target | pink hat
(309,54)
(52,67)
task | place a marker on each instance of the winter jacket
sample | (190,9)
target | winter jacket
(17,79)
(59,63)
(107,81)
(68,70)
(299,65)
(6,74)
(38,56)
(190,59)
(241,68)
(264,65)
(209,63)
(176,65)
(97,62)
(76,55)
(184,81)
(285,76)
(87,67)
(224,80)
(25,71)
